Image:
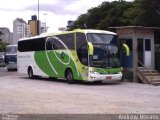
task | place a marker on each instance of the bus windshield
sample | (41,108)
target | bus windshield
(11,58)
(106,50)
(11,49)
(99,38)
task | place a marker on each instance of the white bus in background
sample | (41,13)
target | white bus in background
(11,57)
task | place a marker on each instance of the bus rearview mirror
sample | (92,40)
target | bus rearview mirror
(126,49)
(90,48)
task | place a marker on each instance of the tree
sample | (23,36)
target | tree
(116,15)
(92,18)
(2,44)
(145,13)
(105,15)
(121,13)
(80,22)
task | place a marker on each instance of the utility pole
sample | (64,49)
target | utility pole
(38,20)
(38,9)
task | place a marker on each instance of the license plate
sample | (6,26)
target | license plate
(109,78)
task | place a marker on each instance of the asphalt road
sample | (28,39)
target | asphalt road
(21,95)
(4,72)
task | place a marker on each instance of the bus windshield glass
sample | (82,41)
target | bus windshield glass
(11,58)
(11,49)
(106,50)
(99,38)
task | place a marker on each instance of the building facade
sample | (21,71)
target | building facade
(140,41)
(70,24)
(6,35)
(43,27)
(20,30)
(35,26)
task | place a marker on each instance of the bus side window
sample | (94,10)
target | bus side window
(82,48)
(49,44)
(68,40)
(57,45)
(54,44)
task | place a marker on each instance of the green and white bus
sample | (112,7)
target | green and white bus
(82,54)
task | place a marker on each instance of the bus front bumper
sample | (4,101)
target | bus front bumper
(101,77)
(11,66)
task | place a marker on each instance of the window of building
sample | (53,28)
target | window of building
(147,44)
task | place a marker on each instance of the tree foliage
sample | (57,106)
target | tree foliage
(121,13)
(2,44)
(147,13)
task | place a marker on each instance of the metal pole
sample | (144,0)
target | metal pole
(38,9)
(38,20)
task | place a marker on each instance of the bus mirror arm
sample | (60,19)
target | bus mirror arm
(126,49)
(90,48)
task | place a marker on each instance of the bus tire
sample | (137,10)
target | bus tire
(52,78)
(69,76)
(97,82)
(30,73)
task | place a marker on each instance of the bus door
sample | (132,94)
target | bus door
(82,54)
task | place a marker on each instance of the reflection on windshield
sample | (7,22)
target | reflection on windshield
(105,56)
(99,38)
(11,49)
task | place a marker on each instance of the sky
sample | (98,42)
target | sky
(58,12)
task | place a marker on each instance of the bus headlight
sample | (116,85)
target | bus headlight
(96,73)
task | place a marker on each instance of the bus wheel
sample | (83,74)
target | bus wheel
(97,82)
(30,73)
(69,76)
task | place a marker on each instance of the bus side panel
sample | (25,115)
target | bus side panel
(26,59)
(82,69)
(45,61)
(55,63)
(21,63)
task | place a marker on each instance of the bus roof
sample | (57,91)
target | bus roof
(38,36)
(84,31)
(10,54)
(94,31)
(66,32)
(11,45)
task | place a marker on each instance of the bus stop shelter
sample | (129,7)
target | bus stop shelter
(141,43)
